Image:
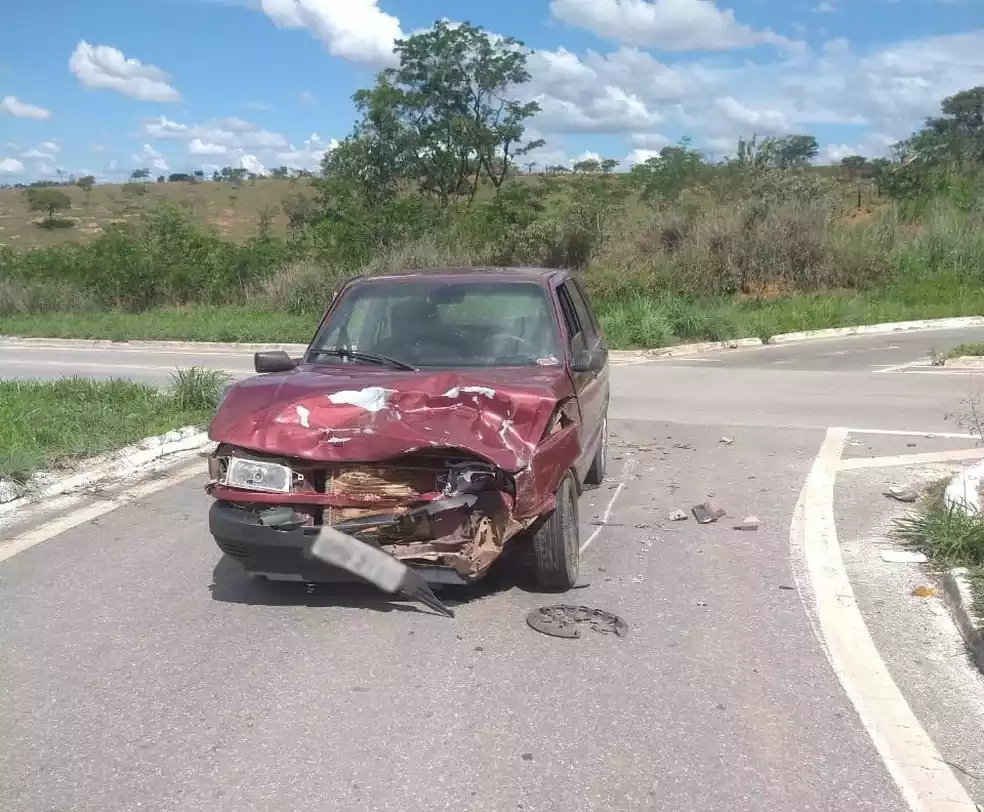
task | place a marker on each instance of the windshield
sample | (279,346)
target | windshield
(442,323)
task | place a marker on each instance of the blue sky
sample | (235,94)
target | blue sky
(175,85)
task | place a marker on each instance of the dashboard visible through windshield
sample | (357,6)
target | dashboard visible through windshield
(440,323)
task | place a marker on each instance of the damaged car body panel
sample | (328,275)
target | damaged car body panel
(439,467)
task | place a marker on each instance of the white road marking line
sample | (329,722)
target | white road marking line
(48,530)
(926,782)
(627,470)
(946,435)
(857,463)
(900,367)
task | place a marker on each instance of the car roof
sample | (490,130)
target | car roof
(504,274)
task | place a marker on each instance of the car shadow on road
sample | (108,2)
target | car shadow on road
(232,584)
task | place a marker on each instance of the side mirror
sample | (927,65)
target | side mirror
(590,360)
(273,361)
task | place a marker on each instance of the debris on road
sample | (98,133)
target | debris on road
(677,516)
(924,591)
(707,512)
(748,523)
(902,494)
(726,440)
(564,620)
(903,557)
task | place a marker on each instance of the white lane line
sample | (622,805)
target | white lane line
(48,530)
(931,435)
(627,470)
(858,463)
(925,362)
(926,782)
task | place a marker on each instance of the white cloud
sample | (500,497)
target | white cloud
(230,133)
(15,107)
(640,156)
(672,25)
(151,158)
(251,163)
(613,93)
(309,156)
(11,166)
(199,147)
(357,30)
(101,66)
(37,155)
(649,142)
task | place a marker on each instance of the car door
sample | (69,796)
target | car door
(592,386)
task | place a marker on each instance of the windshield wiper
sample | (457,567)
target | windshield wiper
(371,357)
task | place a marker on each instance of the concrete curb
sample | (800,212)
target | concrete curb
(115,465)
(965,362)
(964,493)
(960,601)
(964,490)
(656,352)
(954,323)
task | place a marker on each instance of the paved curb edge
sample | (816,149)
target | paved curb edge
(965,362)
(119,464)
(964,493)
(959,600)
(952,323)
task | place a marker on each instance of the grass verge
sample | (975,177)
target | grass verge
(637,322)
(949,537)
(966,349)
(47,424)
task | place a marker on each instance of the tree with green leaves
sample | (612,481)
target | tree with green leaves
(447,117)
(855,166)
(48,199)
(85,183)
(139,174)
(587,166)
(663,177)
(608,166)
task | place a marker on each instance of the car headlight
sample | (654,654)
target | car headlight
(257,475)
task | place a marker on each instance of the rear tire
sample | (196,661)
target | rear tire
(556,542)
(599,465)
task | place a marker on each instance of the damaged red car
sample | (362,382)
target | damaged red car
(438,417)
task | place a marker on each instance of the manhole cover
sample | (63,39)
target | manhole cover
(563,620)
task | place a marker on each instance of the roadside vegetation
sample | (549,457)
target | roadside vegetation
(675,249)
(45,425)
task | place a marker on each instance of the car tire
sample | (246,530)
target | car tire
(596,473)
(556,542)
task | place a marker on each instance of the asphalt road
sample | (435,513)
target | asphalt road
(141,670)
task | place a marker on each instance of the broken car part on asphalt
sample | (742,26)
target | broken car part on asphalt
(372,564)
(437,452)
(707,512)
(564,620)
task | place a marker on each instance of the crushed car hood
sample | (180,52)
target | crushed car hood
(334,414)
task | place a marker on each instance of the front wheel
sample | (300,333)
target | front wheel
(556,542)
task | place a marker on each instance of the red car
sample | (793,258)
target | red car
(436,417)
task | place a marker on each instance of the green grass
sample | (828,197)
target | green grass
(188,324)
(966,349)
(948,536)
(628,323)
(47,424)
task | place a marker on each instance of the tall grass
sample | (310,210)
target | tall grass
(771,253)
